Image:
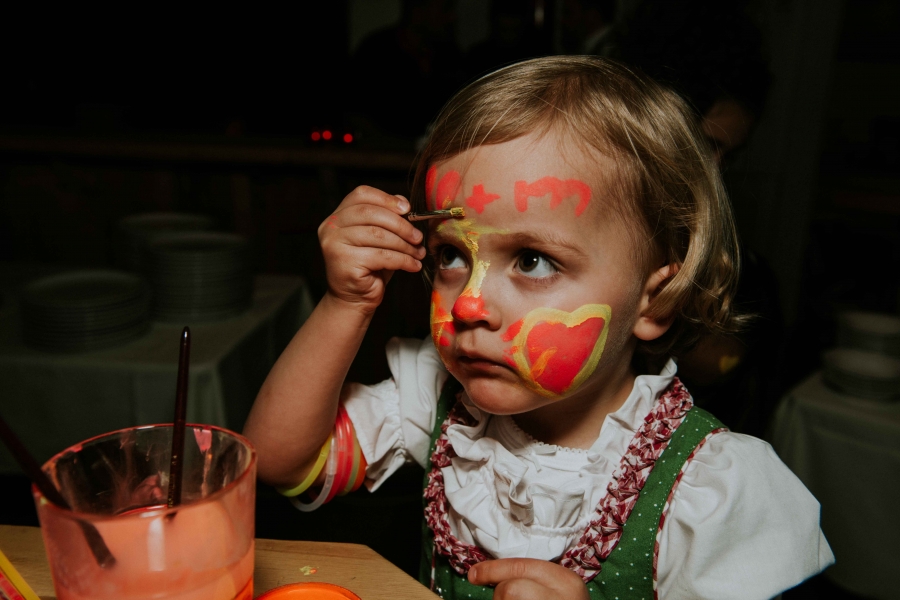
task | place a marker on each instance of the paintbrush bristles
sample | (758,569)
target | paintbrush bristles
(450,213)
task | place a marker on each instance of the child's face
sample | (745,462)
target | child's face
(537,290)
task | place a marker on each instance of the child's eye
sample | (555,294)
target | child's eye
(450,258)
(534,264)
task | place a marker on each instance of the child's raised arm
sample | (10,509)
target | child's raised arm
(364,242)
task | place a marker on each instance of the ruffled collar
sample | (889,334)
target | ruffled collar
(492,468)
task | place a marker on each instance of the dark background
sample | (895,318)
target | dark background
(110,113)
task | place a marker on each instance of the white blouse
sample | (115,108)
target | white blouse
(740,524)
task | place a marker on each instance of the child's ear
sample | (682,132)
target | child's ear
(649,328)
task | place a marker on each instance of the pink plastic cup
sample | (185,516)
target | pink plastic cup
(118,482)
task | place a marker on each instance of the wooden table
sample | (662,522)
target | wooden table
(355,567)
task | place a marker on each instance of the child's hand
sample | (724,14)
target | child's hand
(364,241)
(528,579)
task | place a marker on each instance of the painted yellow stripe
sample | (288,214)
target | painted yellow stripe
(9,571)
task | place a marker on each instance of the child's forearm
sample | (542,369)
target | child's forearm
(296,406)
(363,242)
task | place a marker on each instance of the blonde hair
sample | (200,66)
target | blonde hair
(666,182)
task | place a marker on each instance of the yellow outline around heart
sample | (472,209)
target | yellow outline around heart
(569,319)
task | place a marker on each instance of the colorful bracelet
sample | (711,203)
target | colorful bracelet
(311,478)
(344,464)
(321,498)
(361,476)
(345,451)
(354,471)
(353,482)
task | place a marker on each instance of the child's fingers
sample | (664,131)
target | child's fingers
(378,216)
(521,589)
(372,236)
(365,194)
(492,572)
(382,259)
(528,578)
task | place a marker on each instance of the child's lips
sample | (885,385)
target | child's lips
(477,362)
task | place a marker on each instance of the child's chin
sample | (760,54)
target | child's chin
(499,397)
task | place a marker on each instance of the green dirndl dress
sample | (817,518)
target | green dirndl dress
(629,569)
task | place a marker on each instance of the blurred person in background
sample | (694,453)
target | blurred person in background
(711,53)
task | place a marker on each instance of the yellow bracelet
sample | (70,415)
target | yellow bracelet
(317,468)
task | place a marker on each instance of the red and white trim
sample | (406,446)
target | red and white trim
(461,555)
(605,528)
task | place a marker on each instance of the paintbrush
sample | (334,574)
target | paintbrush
(43,483)
(450,213)
(181,389)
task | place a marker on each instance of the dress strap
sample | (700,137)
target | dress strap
(630,568)
(638,496)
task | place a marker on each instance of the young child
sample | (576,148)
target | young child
(564,458)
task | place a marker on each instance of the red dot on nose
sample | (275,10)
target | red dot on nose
(348,138)
(326,135)
(469,308)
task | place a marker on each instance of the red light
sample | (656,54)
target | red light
(316,136)
(326,135)
(348,138)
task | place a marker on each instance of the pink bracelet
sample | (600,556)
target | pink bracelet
(345,452)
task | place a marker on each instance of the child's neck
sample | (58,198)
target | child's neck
(576,422)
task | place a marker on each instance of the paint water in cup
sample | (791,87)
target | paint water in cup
(118,482)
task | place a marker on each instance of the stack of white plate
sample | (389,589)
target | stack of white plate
(199,276)
(134,233)
(85,310)
(873,332)
(863,374)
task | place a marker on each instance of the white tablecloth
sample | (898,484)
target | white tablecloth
(54,400)
(847,452)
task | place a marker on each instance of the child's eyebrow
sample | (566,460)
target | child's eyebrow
(436,237)
(544,240)
(538,240)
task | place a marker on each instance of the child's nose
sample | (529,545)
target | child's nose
(469,307)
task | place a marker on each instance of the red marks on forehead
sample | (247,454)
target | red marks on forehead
(447,188)
(557,352)
(441,192)
(469,308)
(479,198)
(558,189)
(430,179)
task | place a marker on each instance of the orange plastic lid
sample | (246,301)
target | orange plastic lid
(309,591)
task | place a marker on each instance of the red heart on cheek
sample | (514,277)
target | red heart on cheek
(555,351)
(558,352)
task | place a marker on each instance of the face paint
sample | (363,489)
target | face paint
(555,351)
(430,178)
(441,323)
(469,306)
(447,189)
(557,188)
(479,198)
